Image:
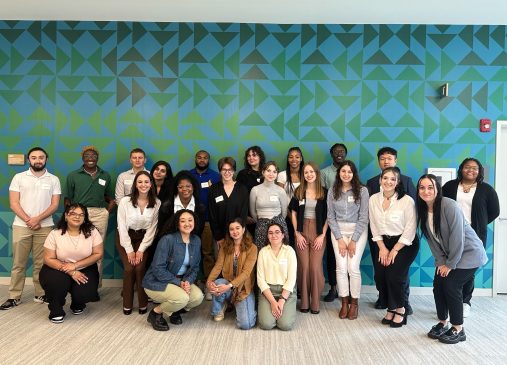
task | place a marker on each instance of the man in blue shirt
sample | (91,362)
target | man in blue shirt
(206,177)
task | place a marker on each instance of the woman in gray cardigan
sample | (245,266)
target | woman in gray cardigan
(458,253)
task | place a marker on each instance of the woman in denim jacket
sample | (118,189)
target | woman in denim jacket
(170,279)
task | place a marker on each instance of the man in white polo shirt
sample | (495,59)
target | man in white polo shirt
(126,178)
(34,196)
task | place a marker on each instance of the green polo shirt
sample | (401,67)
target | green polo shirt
(89,191)
(328,176)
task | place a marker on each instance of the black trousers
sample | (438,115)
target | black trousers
(393,279)
(57,284)
(448,294)
(330,260)
(374,259)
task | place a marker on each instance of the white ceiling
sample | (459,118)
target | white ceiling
(263,11)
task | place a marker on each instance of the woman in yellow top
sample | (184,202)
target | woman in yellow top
(235,264)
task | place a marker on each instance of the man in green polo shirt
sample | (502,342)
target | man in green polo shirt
(91,186)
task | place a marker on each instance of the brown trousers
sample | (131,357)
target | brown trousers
(310,276)
(133,275)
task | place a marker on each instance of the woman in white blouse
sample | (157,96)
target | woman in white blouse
(276,278)
(137,225)
(71,252)
(393,227)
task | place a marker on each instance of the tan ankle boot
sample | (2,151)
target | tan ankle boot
(354,308)
(345,308)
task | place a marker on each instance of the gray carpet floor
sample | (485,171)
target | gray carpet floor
(103,335)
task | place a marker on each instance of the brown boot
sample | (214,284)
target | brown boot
(354,308)
(345,308)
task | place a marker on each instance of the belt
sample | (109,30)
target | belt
(137,231)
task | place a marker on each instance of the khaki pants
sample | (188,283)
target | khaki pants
(173,298)
(25,240)
(99,217)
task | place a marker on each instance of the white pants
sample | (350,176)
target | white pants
(349,266)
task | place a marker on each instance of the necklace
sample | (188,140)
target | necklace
(74,240)
(91,173)
(466,188)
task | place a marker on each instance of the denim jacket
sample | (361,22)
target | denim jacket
(167,261)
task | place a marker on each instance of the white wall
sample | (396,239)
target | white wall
(263,11)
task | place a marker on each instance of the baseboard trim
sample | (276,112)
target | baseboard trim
(365,289)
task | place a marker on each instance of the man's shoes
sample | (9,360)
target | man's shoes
(466,310)
(41,299)
(379,305)
(408,309)
(331,296)
(56,319)
(438,330)
(157,321)
(452,336)
(78,310)
(9,304)
(175,318)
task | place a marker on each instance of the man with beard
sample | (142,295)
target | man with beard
(34,196)
(388,157)
(206,177)
(91,186)
(338,153)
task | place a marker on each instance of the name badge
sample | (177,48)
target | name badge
(302,202)
(128,182)
(219,199)
(102,182)
(45,186)
(205,185)
(258,179)
(395,217)
(273,198)
(351,199)
(283,262)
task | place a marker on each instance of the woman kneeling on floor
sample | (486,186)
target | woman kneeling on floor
(171,276)
(71,252)
(276,278)
(235,266)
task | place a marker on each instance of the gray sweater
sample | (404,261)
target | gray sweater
(459,247)
(346,209)
(268,200)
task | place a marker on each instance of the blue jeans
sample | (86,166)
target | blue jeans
(245,310)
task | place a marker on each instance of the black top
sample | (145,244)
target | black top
(166,212)
(373,186)
(249,178)
(485,206)
(222,208)
(320,212)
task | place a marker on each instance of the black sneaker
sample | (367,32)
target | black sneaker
(78,310)
(175,318)
(41,299)
(56,319)
(9,304)
(157,321)
(438,330)
(452,336)
(331,296)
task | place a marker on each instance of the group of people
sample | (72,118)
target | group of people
(257,242)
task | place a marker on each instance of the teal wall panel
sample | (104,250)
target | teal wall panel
(174,88)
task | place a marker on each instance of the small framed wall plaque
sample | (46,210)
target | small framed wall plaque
(443,174)
(17,159)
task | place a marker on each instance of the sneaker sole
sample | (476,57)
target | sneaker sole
(77,313)
(56,321)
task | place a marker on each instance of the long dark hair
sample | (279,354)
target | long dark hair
(85,228)
(399,189)
(355,182)
(259,152)
(422,207)
(246,241)
(290,184)
(480,175)
(300,192)
(172,224)
(152,195)
(165,189)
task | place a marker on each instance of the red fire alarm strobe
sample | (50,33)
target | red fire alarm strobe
(485,125)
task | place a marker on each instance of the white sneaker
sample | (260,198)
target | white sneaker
(207,295)
(220,315)
(467,308)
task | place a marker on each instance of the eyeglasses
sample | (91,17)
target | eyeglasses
(274,233)
(73,214)
(227,171)
(471,168)
(184,187)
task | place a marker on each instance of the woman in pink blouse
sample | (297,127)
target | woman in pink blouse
(71,252)
(137,225)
